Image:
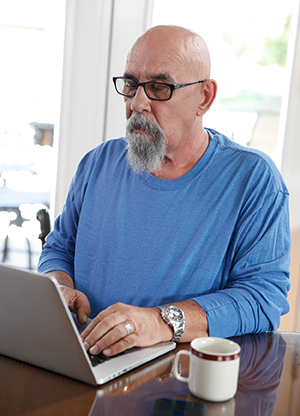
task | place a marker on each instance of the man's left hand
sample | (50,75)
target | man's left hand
(107,332)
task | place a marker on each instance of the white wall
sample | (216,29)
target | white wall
(98,36)
(290,167)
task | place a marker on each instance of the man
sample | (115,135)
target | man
(175,215)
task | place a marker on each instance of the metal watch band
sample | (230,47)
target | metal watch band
(178,326)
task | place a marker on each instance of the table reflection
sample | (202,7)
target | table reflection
(262,362)
(269,384)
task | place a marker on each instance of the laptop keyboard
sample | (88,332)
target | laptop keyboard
(98,359)
(101,358)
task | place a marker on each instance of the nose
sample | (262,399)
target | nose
(140,102)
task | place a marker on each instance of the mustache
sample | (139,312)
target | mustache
(141,122)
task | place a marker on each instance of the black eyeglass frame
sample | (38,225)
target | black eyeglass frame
(143,84)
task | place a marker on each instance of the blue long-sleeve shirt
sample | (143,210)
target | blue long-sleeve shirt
(218,235)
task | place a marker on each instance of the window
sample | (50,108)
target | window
(248,46)
(31,50)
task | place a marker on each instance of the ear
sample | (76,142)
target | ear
(208,96)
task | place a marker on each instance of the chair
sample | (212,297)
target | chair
(44,218)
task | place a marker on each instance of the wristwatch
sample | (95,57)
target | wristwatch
(173,316)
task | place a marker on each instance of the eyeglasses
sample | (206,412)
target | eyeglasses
(159,91)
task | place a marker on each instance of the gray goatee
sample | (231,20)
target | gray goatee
(145,150)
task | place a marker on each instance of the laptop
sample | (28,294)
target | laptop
(37,327)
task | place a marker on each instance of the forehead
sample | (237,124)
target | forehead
(149,60)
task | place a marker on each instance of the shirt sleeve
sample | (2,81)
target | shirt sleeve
(255,293)
(59,250)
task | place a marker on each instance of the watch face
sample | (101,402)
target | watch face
(174,313)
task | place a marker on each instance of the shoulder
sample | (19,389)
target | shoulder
(108,150)
(251,164)
(112,148)
(103,156)
(225,144)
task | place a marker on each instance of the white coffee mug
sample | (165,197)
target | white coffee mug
(213,369)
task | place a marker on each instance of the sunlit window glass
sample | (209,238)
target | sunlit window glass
(31,50)
(248,44)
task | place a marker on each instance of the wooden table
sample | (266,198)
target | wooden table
(269,384)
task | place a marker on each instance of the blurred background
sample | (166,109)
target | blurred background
(31,50)
(57,100)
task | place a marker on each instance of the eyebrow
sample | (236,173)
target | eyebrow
(163,76)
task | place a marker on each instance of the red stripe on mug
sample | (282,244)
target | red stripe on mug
(211,357)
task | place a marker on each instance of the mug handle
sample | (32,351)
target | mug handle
(176,361)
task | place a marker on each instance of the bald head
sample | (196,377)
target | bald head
(177,47)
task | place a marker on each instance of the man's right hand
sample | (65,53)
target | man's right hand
(76,300)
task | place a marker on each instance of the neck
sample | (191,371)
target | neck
(181,161)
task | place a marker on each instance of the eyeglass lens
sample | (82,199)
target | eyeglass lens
(154,90)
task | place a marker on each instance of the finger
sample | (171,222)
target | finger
(104,322)
(100,338)
(82,306)
(124,344)
(91,326)
(104,332)
(77,302)
(114,341)
(67,294)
